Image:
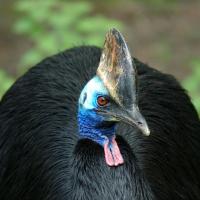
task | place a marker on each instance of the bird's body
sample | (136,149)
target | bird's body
(41,156)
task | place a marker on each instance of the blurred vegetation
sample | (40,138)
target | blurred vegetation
(192,83)
(55,25)
(160,5)
(5,82)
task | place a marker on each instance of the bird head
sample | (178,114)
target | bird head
(110,97)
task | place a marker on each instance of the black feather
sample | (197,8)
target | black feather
(41,157)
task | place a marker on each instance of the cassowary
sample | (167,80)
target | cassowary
(71,129)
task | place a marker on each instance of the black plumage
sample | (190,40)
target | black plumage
(42,158)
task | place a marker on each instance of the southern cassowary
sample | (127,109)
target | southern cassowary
(71,129)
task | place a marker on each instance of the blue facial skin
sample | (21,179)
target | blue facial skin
(92,124)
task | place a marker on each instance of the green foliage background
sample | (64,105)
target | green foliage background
(5,82)
(192,83)
(55,25)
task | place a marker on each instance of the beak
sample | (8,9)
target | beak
(135,119)
(132,117)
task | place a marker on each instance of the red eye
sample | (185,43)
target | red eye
(102,101)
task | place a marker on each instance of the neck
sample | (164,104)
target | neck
(92,126)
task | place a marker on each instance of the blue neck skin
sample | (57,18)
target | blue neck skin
(91,127)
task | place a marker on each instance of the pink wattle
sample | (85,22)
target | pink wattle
(113,155)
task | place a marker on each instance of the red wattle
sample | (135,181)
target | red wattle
(113,155)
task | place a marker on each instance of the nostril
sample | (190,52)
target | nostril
(139,123)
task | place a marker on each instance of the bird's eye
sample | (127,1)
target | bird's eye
(102,100)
